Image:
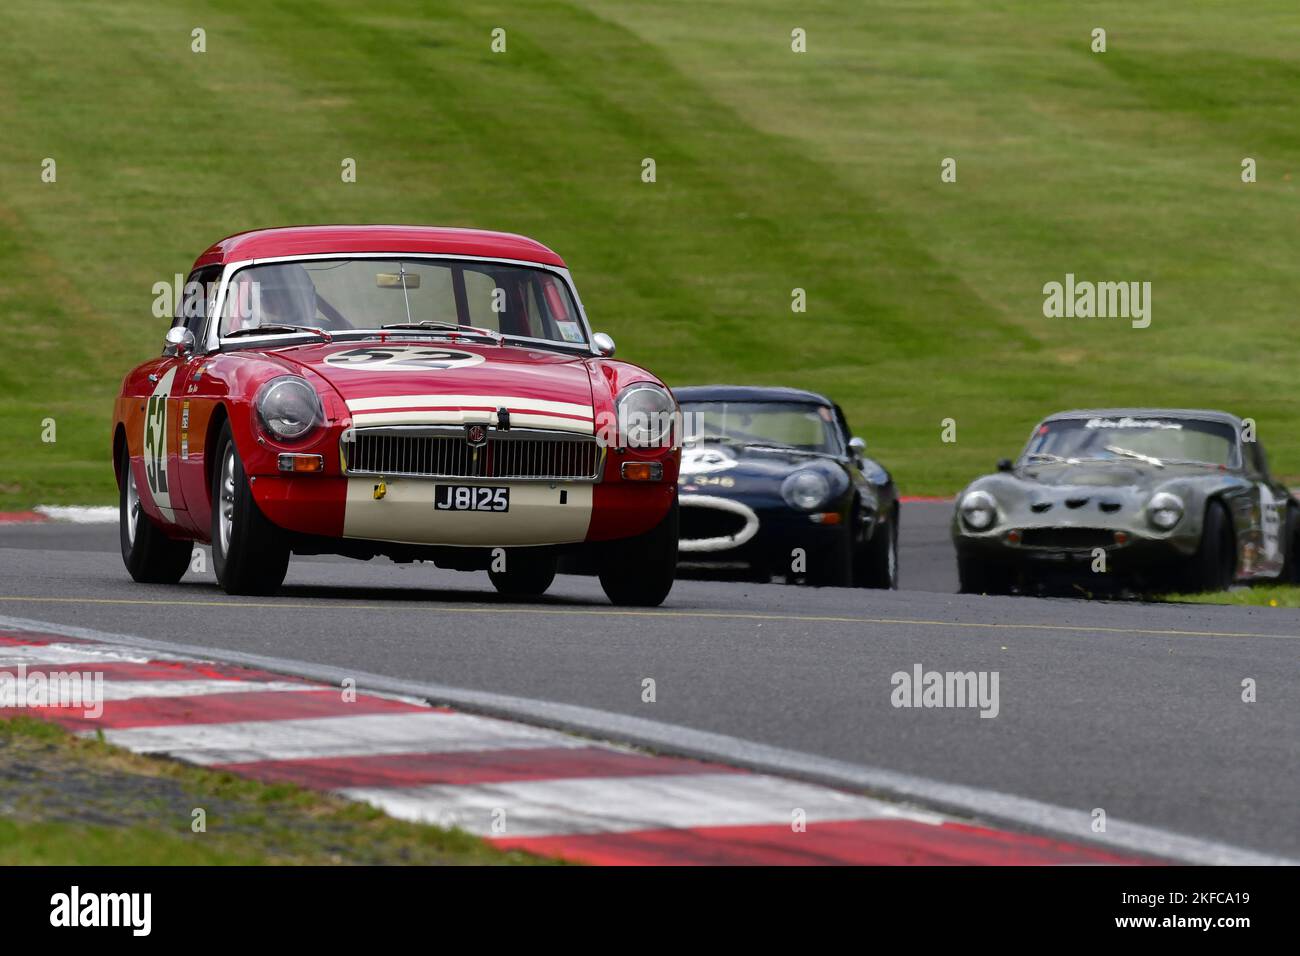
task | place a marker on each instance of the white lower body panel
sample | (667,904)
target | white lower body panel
(540,513)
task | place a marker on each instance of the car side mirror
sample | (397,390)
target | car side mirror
(1004,464)
(604,344)
(181,339)
(858,446)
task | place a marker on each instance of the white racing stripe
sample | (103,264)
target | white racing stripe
(300,739)
(492,402)
(621,804)
(518,420)
(463,409)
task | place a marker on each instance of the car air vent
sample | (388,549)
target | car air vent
(1110,507)
(1075,502)
(1038,507)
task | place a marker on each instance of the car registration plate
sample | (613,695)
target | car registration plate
(471,498)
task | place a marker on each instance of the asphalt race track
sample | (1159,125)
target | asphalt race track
(1128,707)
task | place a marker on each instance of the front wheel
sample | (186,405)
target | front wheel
(1214,566)
(249,554)
(831,566)
(1291,541)
(639,571)
(526,572)
(876,564)
(149,555)
(983,575)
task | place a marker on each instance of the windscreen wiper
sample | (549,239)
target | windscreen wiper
(712,439)
(1137,455)
(449,327)
(787,449)
(275,329)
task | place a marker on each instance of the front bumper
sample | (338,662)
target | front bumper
(541,512)
(1046,548)
(765,540)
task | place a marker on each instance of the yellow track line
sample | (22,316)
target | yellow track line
(612,612)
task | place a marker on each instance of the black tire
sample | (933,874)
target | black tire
(528,572)
(149,555)
(639,572)
(1291,537)
(977,574)
(876,563)
(251,555)
(1214,566)
(833,566)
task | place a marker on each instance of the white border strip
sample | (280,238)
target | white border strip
(984,805)
(80,514)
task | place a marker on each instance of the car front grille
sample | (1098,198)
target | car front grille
(432,452)
(1067,539)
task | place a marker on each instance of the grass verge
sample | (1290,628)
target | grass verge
(1259,596)
(67,800)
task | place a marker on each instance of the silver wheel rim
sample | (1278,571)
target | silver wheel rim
(227,498)
(132,505)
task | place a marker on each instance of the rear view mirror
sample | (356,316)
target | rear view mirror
(393,280)
(858,446)
(1004,464)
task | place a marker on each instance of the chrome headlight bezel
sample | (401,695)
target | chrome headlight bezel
(647,415)
(806,489)
(974,504)
(1165,510)
(288,408)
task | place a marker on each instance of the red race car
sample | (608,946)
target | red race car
(415,392)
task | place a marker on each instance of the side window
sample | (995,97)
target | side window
(845,432)
(197,300)
(1255,459)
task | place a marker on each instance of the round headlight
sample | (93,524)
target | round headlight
(1164,510)
(805,489)
(978,509)
(289,407)
(645,416)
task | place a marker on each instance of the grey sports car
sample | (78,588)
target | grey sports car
(1151,499)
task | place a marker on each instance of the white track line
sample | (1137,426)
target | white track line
(363,735)
(982,804)
(622,804)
